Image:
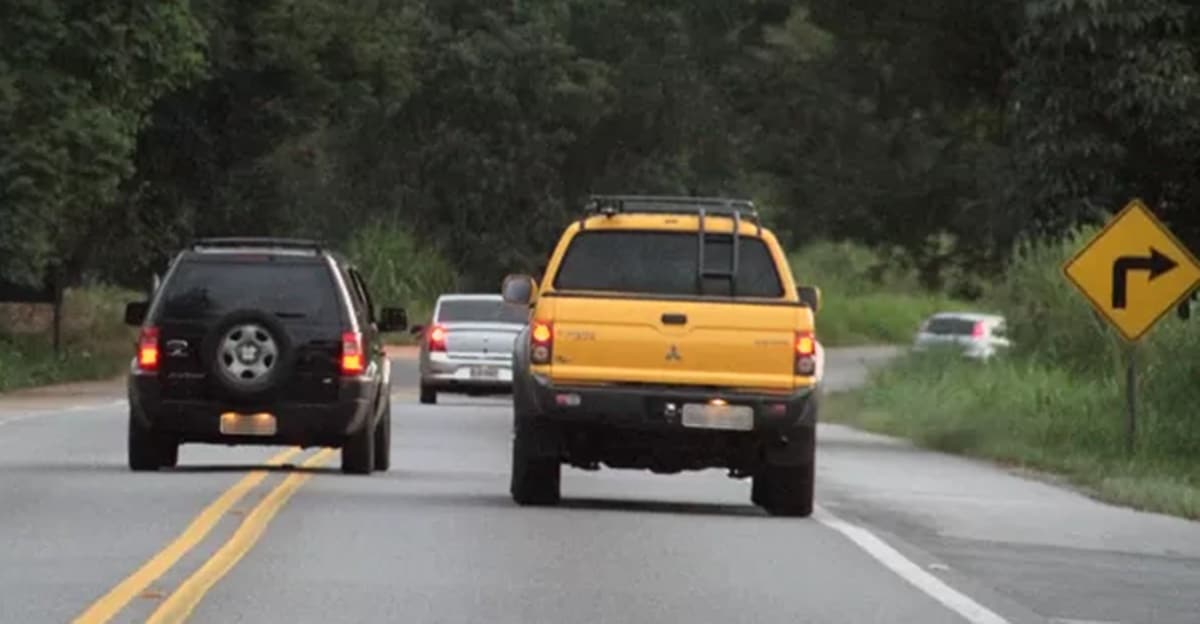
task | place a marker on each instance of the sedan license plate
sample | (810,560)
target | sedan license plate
(709,416)
(261,424)
(484,372)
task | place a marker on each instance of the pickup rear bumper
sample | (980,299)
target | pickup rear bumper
(659,408)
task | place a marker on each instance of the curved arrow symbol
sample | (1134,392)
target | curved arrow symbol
(1157,263)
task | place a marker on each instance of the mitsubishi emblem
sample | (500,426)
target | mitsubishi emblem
(673,354)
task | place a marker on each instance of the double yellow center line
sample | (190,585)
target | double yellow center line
(180,604)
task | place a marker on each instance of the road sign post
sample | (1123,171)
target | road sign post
(1133,273)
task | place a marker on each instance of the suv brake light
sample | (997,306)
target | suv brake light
(979,330)
(147,357)
(541,342)
(437,338)
(806,352)
(352,354)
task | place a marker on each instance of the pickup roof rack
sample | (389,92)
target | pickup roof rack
(255,242)
(702,207)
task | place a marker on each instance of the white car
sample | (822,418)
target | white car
(978,336)
(468,347)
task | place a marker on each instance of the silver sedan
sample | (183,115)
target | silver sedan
(468,346)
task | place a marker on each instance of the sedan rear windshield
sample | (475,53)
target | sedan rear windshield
(480,311)
(950,326)
(289,288)
(665,263)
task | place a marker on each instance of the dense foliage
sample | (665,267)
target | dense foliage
(940,131)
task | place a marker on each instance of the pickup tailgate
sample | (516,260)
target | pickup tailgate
(733,345)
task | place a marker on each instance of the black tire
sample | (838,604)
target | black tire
(149,450)
(428,395)
(785,490)
(280,371)
(383,437)
(536,481)
(536,475)
(788,490)
(358,454)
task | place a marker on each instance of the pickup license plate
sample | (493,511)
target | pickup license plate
(707,416)
(484,372)
(261,424)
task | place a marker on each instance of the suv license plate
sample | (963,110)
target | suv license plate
(706,416)
(484,372)
(248,424)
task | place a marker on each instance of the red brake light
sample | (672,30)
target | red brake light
(541,342)
(806,344)
(806,351)
(979,330)
(437,338)
(353,362)
(148,349)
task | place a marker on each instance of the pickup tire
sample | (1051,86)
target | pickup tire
(536,474)
(358,454)
(787,490)
(383,437)
(149,450)
(536,481)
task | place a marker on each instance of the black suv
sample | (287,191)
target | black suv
(261,341)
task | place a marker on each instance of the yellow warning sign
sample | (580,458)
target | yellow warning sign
(1134,271)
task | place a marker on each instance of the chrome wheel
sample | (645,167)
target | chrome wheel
(248,353)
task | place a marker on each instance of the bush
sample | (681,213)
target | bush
(867,299)
(95,342)
(400,270)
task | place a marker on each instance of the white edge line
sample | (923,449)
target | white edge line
(891,558)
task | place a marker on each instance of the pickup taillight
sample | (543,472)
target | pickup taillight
(541,342)
(806,353)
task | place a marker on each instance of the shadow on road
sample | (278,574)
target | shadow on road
(661,507)
(252,468)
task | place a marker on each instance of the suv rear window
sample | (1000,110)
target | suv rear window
(289,288)
(480,311)
(950,326)
(665,263)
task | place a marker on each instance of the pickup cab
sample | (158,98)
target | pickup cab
(667,335)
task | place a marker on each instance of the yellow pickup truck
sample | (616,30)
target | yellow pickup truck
(667,334)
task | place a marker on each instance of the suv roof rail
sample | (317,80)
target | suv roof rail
(609,205)
(244,242)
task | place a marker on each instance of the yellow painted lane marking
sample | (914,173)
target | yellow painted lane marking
(111,603)
(180,604)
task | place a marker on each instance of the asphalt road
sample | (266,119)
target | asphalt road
(902,535)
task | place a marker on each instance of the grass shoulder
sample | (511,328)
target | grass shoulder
(1032,416)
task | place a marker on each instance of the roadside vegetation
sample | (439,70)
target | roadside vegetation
(1057,402)
(95,342)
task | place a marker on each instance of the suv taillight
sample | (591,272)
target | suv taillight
(437,338)
(541,342)
(353,362)
(806,353)
(147,355)
(979,331)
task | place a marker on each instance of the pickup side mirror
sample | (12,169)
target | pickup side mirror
(393,320)
(519,290)
(135,313)
(810,296)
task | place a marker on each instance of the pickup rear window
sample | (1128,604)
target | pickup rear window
(289,288)
(665,263)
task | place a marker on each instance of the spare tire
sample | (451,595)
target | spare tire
(249,354)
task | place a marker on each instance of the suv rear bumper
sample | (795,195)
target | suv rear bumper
(300,424)
(647,407)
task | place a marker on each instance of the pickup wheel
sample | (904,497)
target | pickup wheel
(149,450)
(428,395)
(383,437)
(787,490)
(536,474)
(535,480)
(358,454)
